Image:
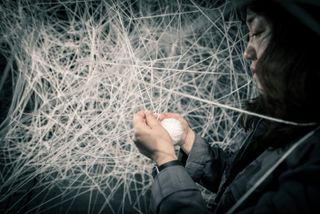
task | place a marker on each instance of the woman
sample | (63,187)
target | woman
(277,168)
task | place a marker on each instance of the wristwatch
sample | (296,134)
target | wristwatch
(156,169)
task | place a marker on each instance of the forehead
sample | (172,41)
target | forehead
(254,19)
(250,16)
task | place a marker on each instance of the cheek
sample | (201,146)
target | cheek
(261,46)
(257,82)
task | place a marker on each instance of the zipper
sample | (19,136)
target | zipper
(247,142)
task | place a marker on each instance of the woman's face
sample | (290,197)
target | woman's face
(259,37)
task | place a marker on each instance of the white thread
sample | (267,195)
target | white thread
(81,78)
(174,128)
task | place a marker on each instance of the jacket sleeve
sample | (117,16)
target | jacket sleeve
(205,164)
(173,191)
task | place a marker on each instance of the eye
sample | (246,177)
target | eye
(256,34)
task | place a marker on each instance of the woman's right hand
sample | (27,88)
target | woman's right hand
(152,139)
(188,134)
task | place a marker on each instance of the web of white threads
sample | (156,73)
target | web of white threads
(83,68)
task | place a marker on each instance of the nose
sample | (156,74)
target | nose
(250,53)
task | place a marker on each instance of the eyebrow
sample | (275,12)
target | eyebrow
(250,16)
(250,19)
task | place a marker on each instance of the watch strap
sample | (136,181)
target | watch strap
(157,169)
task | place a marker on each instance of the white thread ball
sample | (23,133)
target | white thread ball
(174,128)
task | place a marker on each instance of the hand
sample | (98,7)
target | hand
(188,134)
(152,139)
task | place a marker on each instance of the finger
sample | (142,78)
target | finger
(171,115)
(140,113)
(157,115)
(151,120)
(139,120)
(161,116)
(138,117)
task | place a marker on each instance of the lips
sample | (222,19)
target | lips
(253,67)
(253,70)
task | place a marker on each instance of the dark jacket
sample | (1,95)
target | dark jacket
(291,185)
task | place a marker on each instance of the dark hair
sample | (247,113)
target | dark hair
(288,72)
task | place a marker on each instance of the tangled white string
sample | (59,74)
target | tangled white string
(83,68)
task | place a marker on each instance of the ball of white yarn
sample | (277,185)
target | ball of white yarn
(174,128)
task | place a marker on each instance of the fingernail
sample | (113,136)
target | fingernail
(157,115)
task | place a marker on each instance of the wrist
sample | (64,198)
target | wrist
(162,159)
(157,169)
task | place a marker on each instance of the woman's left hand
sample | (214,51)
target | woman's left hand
(152,139)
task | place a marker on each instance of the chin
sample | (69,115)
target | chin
(257,83)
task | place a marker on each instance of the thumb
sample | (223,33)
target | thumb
(151,120)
